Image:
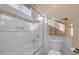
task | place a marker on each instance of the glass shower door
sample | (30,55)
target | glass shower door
(15,36)
(38,35)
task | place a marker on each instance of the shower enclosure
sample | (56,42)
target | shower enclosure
(24,31)
(20,37)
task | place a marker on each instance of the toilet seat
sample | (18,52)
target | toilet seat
(54,52)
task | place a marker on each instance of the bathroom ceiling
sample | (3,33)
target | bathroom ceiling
(43,8)
(57,10)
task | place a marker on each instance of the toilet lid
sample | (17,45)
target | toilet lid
(54,52)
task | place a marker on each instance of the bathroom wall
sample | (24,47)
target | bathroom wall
(20,37)
(66,48)
(47,38)
(44,50)
(75,22)
(14,40)
(16,43)
(72,41)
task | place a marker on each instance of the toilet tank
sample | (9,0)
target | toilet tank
(56,44)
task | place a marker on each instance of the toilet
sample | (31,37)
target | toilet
(55,47)
(54,52)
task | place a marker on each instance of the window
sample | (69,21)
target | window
(21,8)
(15,6)
(60,26)
(56,27)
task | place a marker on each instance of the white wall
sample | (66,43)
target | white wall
(66,49)
(13,42)
(16,43)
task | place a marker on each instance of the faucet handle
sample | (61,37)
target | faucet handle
(76,50)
